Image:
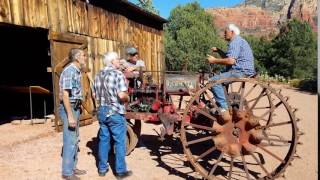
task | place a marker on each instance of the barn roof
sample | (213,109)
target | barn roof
(131,11)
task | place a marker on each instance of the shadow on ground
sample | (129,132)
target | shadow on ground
(170,156)
(170,147)
(93,144)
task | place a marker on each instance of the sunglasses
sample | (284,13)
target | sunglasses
(133,54)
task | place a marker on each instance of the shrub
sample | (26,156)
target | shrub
(309,85)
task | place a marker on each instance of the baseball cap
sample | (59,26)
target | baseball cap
(132,50)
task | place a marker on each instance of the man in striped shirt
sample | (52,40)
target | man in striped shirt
(239,63)
(111,94)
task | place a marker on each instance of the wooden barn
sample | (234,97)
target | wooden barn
(36,36)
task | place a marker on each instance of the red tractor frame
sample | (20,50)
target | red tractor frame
(259,142)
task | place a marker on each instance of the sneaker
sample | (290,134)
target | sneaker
(123,175)
(79,172)
(72,177)
(101,174)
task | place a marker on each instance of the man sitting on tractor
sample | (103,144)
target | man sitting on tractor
(132,65)
(239,63)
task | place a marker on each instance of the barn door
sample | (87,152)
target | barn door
(60,44)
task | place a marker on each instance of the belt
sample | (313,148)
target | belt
(76,104)
(72,102)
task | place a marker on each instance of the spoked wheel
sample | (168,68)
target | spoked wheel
(258,142)
(133,134)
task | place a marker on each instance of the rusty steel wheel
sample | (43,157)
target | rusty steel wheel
(136,126)
(133,134)
(131,140)
(258,142)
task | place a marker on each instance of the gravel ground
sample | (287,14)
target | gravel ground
(33,151)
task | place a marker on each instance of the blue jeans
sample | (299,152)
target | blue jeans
(114,126)
(70,141)
(217,89)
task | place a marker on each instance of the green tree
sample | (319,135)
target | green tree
(294,51)
(148,5)
(189,35)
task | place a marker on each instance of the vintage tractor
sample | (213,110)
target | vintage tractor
(259,143)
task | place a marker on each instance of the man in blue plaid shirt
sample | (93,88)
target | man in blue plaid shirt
(239,63)
(111,94)
(70,94)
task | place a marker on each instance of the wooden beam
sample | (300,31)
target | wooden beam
(94,21)
(53,15)
(5,12)
(67,37)
(41,14)
(104,24)
(63,16)
(16,7)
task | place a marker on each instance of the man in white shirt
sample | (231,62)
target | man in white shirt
(132,66)
(133,63)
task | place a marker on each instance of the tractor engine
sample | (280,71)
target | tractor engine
(144,98)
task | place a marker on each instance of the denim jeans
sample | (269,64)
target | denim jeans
(217,89)
(114,126)
(70,141)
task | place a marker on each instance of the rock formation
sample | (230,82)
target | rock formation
(262,17)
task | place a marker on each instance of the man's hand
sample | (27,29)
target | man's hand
(72,122)
(124,97)
(67,105)
(211,59)
(219,51)
(130,74)
(130,69)
(214,49)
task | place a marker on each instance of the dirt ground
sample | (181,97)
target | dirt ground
(32,152)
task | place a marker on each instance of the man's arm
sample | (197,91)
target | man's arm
(224,61)
(123,88)
(139,66)
(96,87)
(219,51)
(67,105)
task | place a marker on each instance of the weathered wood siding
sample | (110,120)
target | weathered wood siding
(105,30)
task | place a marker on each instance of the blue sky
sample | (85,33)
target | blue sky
(165,6)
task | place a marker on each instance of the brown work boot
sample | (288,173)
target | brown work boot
(225,115)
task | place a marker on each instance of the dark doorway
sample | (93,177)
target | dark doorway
(25,61)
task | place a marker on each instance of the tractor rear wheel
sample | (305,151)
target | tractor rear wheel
(259,141)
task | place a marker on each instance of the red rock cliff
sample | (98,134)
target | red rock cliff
(262,17)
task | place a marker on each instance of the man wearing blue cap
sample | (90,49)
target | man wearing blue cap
(133,63)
